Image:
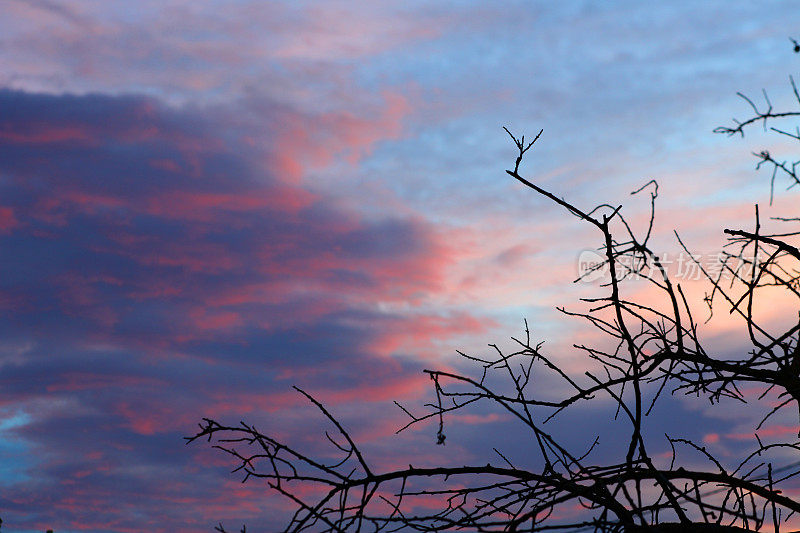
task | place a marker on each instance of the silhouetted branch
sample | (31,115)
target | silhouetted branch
(647,348)
(764,115)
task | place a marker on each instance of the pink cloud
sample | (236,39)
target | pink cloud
(473,419)
(769,431)
(207,206)
(418,335)
(45,135)
(206,320)
(306,143)
(80,381)
(7,219)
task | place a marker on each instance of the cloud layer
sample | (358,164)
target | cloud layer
(157,271)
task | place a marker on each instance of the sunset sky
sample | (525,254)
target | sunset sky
(204,202)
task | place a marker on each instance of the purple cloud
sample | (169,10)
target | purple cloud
(153,274)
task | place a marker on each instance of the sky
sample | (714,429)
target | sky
(205,202)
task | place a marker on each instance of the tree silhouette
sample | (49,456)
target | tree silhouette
(649,349)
